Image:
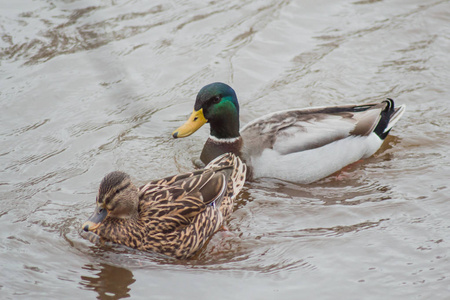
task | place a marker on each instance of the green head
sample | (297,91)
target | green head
(216,104)
(215,99)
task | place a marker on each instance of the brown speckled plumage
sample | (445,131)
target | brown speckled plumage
(176,215)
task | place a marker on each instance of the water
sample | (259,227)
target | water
(88,87)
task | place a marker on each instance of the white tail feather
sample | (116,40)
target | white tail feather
(396,116)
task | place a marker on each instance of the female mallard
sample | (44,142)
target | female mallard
(173,216)
(301,145)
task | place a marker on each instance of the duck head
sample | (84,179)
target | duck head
(216,104)
(117,198)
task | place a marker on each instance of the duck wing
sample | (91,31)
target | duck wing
(305,129)
(175,206)
(187,195)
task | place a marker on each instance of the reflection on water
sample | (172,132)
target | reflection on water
(110,282)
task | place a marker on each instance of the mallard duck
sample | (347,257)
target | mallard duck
(173,216)
(299,145)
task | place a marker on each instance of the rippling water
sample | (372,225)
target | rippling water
(92,86)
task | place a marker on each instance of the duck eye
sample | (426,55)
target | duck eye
(216,99)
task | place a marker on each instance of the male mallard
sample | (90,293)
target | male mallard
(173,216)
(301,145)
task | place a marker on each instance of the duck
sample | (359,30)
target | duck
(296,145)
(174,216)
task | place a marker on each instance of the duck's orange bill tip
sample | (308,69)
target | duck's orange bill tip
(195,121)
(96,219)
(89,226)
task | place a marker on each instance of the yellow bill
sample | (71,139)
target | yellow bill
(195,121)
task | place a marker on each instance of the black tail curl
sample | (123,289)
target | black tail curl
(386,114)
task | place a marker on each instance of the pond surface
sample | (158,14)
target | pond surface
(88,87)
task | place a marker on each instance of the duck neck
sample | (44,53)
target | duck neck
(215,147)
(122,231)
(225,127)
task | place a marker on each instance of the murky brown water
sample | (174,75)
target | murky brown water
(88,87)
